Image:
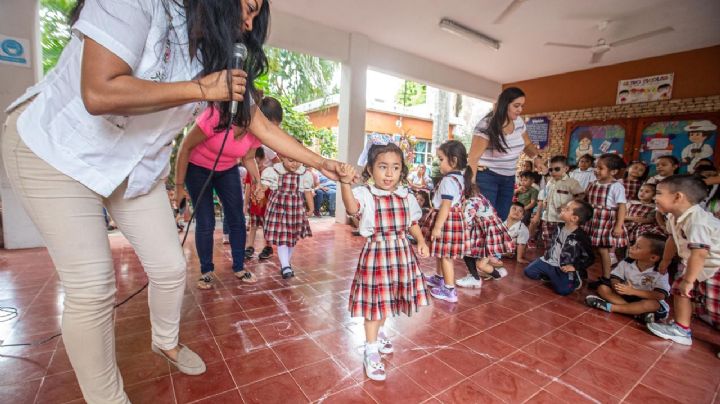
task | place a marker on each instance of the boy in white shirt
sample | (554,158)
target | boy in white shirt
(518,231)
(584,173)
(636,287)
(696,239)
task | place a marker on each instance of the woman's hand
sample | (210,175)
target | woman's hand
(214,86)
(180,193)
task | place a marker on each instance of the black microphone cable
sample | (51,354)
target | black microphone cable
(9,313)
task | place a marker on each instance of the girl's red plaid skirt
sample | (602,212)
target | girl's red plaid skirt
(601,228)
(453,241)
(388,280)
(286,220)
(489,237)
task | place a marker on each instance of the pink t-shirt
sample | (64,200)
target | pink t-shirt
(205,153)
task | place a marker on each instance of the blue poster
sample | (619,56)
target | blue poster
(595,140)
(538,129)
(688,140)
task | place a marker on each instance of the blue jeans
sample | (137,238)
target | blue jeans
(321,195)
(498,189)
(229,189)
(560,281)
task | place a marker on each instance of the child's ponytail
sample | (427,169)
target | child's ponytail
(470,187)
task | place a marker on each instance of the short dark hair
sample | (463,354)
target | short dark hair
(520,204)
(378,149)
(260,153)
(612,161)
(673,160)
(657,243)
(583,210)
(559,159)
(529,174)
(692,186)
(272,109)
(587,157)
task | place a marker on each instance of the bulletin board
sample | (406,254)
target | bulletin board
(687,137)
(598,137)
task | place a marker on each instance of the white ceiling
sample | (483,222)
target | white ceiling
(412,25)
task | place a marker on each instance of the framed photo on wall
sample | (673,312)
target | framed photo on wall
(598,137)
(690,138)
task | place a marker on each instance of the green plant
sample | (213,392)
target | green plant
(411,93)
(55,31)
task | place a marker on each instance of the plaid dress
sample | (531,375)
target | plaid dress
(631,189)
(388,280)
(632,229)
(603,221)
(487,234)
(285,217)
(453,241)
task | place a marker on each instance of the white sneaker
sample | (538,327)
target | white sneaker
(469,282)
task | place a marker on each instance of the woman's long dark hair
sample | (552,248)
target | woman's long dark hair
(213,27)
(496,119)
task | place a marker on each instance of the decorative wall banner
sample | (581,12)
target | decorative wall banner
(538,129)
(14,51)
(595,140)
(645,89)
(688,140)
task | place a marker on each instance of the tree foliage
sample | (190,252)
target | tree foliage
(55,31)
(299,77)
(411,93)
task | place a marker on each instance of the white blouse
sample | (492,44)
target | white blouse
(366,203)
(102,151)
(271,177)
(449,189)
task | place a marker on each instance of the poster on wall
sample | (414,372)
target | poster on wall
(688,140)
(14,51)
(645,89)
(538,129)
(595,140)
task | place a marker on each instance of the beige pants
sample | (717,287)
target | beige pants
(70,218)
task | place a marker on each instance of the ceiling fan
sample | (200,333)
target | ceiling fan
(602,46)
(511,8)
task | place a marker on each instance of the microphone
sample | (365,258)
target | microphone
(238,61)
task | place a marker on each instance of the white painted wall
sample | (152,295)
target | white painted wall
(18,18)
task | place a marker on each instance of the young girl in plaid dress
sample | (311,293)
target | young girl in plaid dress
(286,216)
(445,225)
(607,197)
(388,280)
(635,176)
(488,240)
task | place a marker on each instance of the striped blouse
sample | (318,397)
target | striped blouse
(496,161)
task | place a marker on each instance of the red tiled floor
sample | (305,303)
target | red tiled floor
(293,341)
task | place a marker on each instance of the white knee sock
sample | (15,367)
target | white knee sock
(284,253)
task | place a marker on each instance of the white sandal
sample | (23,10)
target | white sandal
(374,368)
(386,346)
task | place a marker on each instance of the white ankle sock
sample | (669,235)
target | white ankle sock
(372,347)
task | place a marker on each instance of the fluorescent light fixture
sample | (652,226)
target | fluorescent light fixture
(462,31)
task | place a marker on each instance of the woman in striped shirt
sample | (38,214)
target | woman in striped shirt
(499,139)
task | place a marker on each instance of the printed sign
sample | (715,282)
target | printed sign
(14,51)
(538,129)
(645,89)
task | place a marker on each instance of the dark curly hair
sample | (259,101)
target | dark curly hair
(378,149)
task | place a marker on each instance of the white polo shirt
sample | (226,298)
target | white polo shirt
(101,151)
(694,229)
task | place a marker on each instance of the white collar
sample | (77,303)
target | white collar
(692,210)
(399,191)
(280,168)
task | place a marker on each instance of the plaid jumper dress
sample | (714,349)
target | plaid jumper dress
(604,218)
(487,234)
(453,240)
(285,216)
(631,189)
(388,280)
(632,229)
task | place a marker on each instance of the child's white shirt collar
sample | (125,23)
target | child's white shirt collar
(399,191)
(280,168)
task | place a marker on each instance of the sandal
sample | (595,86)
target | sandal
(246,276)
(206,281)
(374,368)
(187,362)
(386,346)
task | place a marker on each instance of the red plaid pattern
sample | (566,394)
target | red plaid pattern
(487,235)
(705,295)
(256,221)
(632,229)
(548,230)
(631,189)
(604,219)
(453,241)
(286,220)
(388,280)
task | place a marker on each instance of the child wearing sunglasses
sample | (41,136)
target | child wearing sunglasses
(560,190)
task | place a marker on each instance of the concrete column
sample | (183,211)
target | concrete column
(18,19)
(351,113)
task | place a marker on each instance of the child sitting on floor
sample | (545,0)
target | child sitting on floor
(637,288)
(566,260)
(696,239)
(518,232)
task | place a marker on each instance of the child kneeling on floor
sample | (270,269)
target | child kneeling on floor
(570,254)
(696,239)
(637,288)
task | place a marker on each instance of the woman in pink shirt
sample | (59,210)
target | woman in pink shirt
(194,163)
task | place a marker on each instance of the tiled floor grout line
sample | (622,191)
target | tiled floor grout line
(639,380)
